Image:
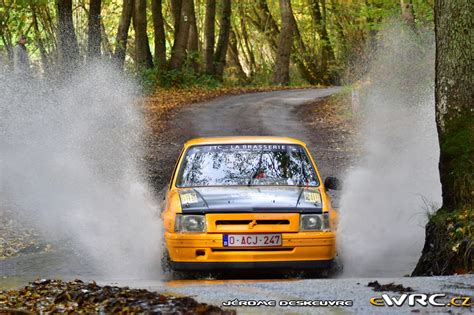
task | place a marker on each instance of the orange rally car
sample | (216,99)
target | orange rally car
(248,203)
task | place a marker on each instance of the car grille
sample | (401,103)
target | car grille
(246,222)
(252,222)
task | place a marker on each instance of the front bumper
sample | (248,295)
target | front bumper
(292,265)
(205,251)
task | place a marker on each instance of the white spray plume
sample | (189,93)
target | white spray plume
(383,205)
(70,159)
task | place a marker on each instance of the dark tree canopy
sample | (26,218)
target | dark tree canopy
(245,40)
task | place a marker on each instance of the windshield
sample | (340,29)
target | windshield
(246,164)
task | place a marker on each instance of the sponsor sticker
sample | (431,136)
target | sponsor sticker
(311,196)
(246,147)
(189,197)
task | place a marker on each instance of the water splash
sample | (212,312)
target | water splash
(383,206)
(71,161)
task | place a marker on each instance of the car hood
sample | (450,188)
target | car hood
(250,199)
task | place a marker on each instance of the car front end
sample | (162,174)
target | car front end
(249,224)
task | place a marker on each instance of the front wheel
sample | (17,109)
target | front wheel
(167,269)
(334,269)
(166,266)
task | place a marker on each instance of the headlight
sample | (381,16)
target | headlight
(314,222)
(190,223)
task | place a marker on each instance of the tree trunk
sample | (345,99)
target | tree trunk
(160,39)
(234,57)
(193,41)
(142,46)
(178,53)
(49,27)
(176,11)
(5,33)
(94,33)
(122,33)
(455,123)
(327,53)
(266,23)
(69,49)
(106,46)
(223,40)
(306,62)
(209,36)
(408,14)
(39,41)
(250,56)
(285,42)
(454,97)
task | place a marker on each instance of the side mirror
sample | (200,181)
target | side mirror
(332,183)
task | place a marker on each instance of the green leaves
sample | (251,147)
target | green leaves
(27,3)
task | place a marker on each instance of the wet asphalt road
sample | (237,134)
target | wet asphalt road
(269,113)
(274,113)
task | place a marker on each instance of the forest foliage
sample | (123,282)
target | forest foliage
(205,42)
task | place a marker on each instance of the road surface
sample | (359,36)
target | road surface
(277,113)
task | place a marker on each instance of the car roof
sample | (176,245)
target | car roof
(243,140)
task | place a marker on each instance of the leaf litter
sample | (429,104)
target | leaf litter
(18,237)
(56,296)
(391,287)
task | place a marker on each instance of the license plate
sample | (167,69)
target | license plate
(251,240)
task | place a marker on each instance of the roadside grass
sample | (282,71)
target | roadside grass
(459,228)
(339,106)
(336,111)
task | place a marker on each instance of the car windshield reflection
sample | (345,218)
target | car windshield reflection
(246,164)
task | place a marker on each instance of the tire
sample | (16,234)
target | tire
(167,269)
(333,270)
(166,266)
(337,266)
